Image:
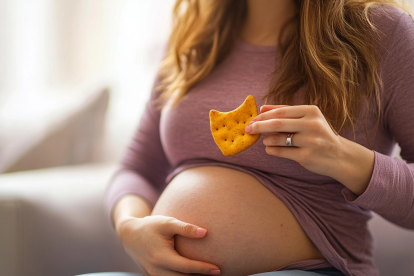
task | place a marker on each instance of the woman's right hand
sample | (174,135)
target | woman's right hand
(150,243)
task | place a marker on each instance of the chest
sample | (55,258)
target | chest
(185,128)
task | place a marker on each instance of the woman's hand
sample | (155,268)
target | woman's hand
(150,242)
(315,145)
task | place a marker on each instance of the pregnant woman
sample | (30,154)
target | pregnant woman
(338,75)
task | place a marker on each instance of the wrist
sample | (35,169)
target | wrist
(355,166)
(119,221)
(123,223)
(130,206)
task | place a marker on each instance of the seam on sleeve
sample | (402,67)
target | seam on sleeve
(393,36)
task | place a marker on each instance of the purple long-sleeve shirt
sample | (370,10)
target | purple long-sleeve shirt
(334,218)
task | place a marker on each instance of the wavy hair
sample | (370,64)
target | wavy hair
(331,54)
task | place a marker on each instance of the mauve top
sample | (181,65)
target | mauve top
(334,218)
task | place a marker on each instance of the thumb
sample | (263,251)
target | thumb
(187,229)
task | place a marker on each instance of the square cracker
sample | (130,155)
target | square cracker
(228,128)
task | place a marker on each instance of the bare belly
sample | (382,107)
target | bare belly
(250,230)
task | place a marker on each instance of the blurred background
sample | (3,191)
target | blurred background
(60,60)
(74,78)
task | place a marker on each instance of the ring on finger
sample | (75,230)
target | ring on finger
(289,140)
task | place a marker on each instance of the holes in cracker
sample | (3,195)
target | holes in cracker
(229,128)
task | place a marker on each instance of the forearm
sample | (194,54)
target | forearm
(130,206)
(354,167)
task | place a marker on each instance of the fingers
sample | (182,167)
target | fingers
(279,139)
(153,247)
(265,108)
(275,125)
(179,263)
(184,229)
(166,272)
(285,152)
(187,266)
(280,111)
(172,273)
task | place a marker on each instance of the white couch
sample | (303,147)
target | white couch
(53,222)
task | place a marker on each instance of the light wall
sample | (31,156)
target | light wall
(52,51)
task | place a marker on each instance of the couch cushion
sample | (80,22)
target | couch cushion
(53,222)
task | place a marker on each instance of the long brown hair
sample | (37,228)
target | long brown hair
(332,53)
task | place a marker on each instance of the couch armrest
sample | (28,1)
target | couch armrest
(72,134)
(53,222)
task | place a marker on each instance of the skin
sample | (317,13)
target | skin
(265,19)
(316,148)
(250,229)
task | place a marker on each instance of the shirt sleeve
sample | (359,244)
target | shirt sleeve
(390,192)
(144,168)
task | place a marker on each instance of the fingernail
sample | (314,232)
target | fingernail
(248,129)
(215,272)
(251,122)
(201,232)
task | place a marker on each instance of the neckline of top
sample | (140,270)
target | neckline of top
(240,44)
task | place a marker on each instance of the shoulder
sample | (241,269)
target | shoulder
(386,17)
(396,64)
(395,26)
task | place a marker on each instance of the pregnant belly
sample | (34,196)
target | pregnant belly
(250,230)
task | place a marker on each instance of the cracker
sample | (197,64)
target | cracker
(228,128)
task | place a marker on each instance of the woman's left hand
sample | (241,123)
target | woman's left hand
(315,145)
